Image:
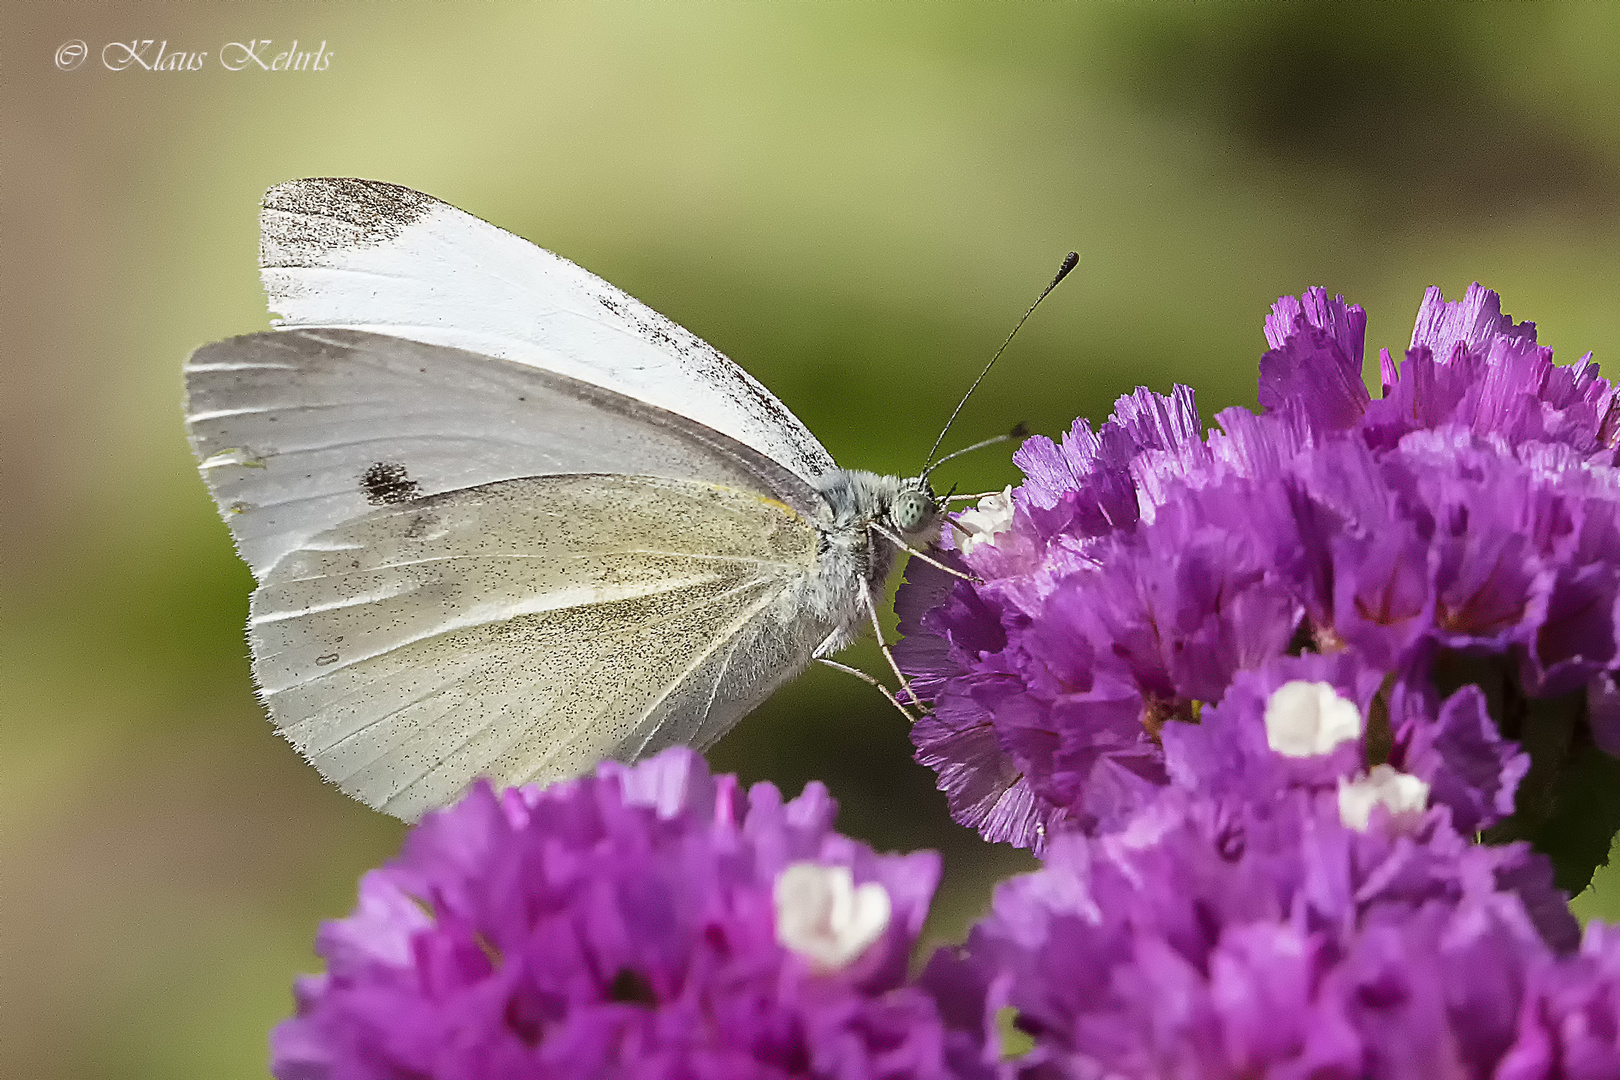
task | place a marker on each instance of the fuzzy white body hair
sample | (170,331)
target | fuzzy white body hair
(852,556)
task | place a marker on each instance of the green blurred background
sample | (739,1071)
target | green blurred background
(855,201)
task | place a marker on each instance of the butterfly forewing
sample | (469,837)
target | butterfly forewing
(524,630)
(301,430)
(371,256)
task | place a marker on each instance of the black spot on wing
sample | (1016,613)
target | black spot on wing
(386,482)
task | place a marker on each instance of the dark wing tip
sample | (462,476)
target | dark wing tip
(303,220)
(349,198)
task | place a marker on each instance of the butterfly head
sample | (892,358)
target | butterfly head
(914,513)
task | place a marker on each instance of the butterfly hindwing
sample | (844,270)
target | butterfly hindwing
(526,629)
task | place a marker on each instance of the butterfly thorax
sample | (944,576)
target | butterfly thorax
(864,514)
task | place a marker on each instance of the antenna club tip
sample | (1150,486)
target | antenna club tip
(1020,431)
(1070,261)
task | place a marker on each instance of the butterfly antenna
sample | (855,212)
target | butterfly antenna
(1070,261)
(1018,432)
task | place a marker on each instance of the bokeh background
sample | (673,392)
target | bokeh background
(855,201)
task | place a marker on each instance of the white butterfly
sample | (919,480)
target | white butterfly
(506,520)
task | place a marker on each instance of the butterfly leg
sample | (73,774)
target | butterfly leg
(865,678)
(877,629)
(914,553)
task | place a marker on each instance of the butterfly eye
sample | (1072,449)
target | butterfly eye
(913,511)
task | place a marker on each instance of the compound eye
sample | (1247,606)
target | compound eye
(914,511)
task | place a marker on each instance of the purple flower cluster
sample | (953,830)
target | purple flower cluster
(649,922)
(1208,679)
(1213,940)
(1144,570)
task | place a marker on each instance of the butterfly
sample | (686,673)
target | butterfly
(505,520)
